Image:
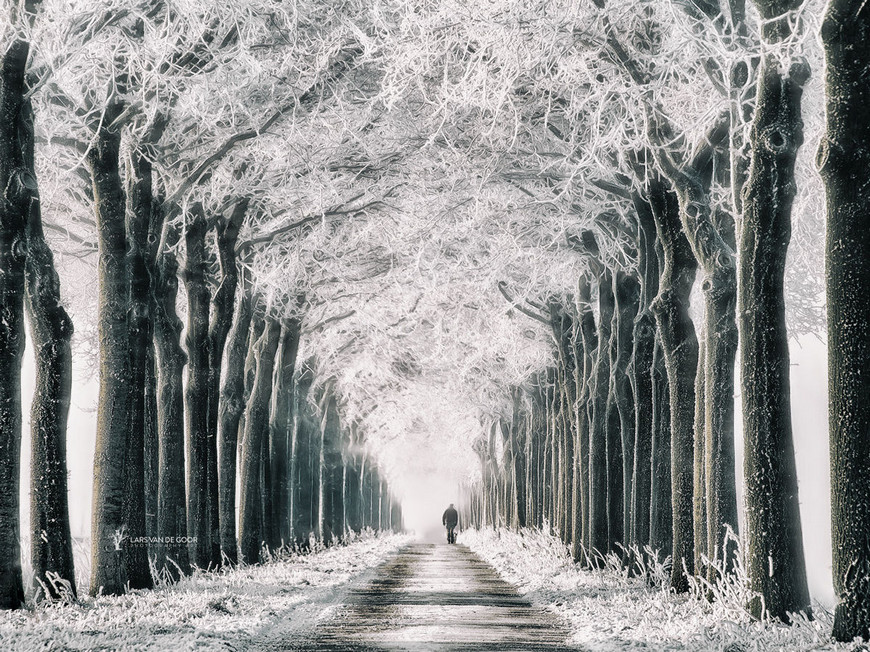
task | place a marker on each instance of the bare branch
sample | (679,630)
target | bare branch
(329,320)
(502,287)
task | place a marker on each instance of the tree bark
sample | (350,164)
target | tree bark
(306,464)
(844,162)
(644,338)
(680,353)
(280,432)
(14,205)
(699,495)
(627,296)
(144,225)
(589,344)
(196,387)
(173,557)
(518,458)
(599,422)
(365,492)
(138,227)
(152,445)
(661,507)
(333,472)
(774,555)
(709,241)
(383,505)
(353,483)
(231,407)
(222,304)
(256,432)
(51,329)
(109,528)
(563,328)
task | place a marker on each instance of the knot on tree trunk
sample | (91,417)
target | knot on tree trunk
(823,154)
(800,71)
(739,74)
(776,139)
(660,304)
(18,249)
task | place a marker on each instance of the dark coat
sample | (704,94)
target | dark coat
(450,518)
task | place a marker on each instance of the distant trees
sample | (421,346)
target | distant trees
(691,191)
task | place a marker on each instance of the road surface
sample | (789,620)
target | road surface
(435,598)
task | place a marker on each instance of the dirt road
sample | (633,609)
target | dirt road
(435,598)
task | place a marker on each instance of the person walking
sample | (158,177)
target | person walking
(450,520)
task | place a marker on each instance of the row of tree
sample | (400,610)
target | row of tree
(179,424)
(627,443)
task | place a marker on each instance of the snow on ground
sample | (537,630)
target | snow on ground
(608,611)
(246,608)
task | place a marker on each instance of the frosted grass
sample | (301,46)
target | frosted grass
(608,610)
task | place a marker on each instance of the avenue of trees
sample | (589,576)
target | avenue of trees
(543,234)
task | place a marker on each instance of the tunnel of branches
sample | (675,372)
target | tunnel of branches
(314,253)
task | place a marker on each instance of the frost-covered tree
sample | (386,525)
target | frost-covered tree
(842,161)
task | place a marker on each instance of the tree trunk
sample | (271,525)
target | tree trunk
(256,432)
(589,344)
(644,338)
(109,529)
(627,295)
(844,161)
(661,509)
(598,462)
(384,505)
(152,445)
(774,555)
(231,406)
(218,331)
(268,528)
(51,329)
(138,226)
(14,205)
(144,223)
(196,387)
(366,493)
(333,472)
(518,458)
(306,464)
(680,352)
(613,457)
(536,455)
(172,550)
(563,328)
(376,501)
(699,493)
(711,241)
(353,484)
(396,516)
(280,433)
